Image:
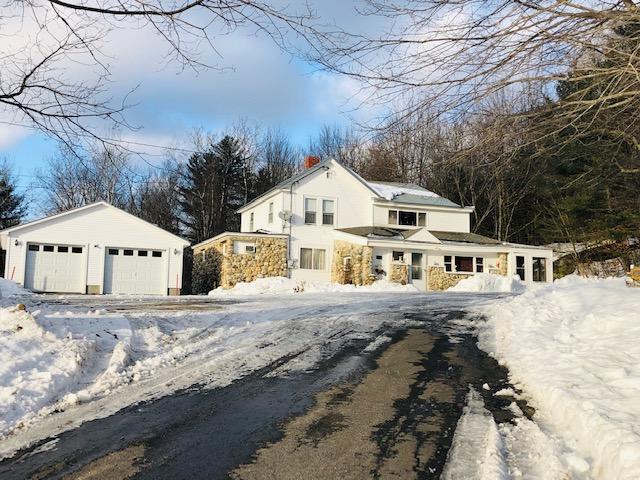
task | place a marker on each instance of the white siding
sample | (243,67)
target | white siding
(261,215)
(96,228)
(352,207)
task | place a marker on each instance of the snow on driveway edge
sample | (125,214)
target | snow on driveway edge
(574,349)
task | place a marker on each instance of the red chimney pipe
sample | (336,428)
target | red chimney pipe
(310,161)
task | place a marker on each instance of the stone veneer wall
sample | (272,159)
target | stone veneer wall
(399,273)
(438,279)
(360,271)
(503,264)
(269,259)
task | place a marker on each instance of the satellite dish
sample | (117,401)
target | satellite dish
(285,215)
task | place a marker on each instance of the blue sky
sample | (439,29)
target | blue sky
(260,83)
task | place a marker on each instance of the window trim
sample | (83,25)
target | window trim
(313,259)
(333,212)
(310,212)
(479,264)
(544,269)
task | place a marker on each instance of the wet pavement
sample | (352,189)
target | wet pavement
(384,414)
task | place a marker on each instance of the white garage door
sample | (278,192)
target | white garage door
(55,268)
(134,271)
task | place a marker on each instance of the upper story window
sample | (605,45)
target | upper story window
(407,218)
(270,219)
(327,212)
(251,222)
(310,210)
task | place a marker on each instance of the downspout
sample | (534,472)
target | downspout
(289,259)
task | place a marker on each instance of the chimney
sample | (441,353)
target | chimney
(310,161)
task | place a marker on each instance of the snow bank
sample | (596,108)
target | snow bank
(477,450)
(283,285)
(11,289)
(574,349)
(35,367)
(488,282)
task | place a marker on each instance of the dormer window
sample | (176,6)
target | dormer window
(422,219)
(393,217)
(310,211)
(407,218)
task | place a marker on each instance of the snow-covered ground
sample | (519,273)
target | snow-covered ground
(82,361)
(573,349)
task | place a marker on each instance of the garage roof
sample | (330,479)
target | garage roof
(89,207)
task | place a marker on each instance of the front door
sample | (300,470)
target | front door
(417,273)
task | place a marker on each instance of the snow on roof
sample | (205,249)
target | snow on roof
(393,190)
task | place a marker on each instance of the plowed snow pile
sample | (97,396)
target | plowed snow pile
(489,283)
(574,350)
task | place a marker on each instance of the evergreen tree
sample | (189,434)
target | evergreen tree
(12,204)
(213,189)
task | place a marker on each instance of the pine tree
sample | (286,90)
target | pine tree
(213,189)
(12,204)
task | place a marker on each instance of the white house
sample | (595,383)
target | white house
(340,227)
(94,249)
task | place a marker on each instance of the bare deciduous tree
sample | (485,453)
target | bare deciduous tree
(58,34)
(447,57)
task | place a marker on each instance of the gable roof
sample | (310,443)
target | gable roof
(286,184)
(89,207)
(407,193)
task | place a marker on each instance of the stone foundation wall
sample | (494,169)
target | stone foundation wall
(269,259)
(399,273)
(438,279)
(359,270)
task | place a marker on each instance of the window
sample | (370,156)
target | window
(249,249)
(393,217)
(306,258)
(310,211)
(539,269)
(156,254)
(378,257)
(128,253)
(143,253)
(312,258)
(479,264)
(76,249)
(251,222)
(327,212)
(408,218)
(270,219)
(318,259)
(34,248)
(520,267)
(398,256)
(113,251)
(464,264)
(47,248)
(448,263)
(62,249)
(422,219)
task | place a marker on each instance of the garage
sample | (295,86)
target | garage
(133,271)
(54,268)
(95,249)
